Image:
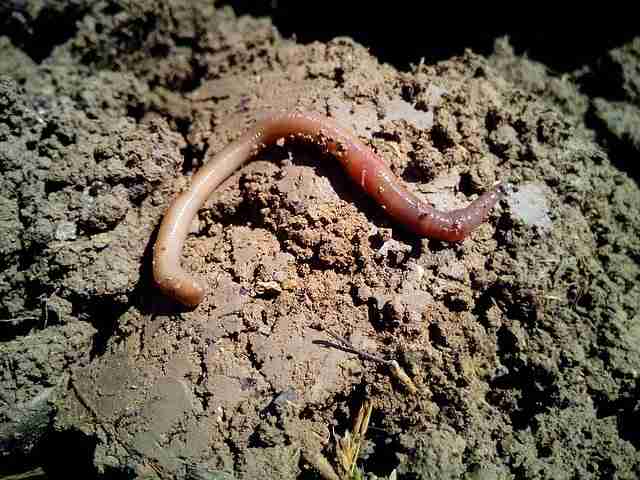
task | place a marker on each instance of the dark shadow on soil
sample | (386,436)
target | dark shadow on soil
(37,37)
(622,153)
(76,447)
(403,32)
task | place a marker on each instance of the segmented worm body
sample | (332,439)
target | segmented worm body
(363,166)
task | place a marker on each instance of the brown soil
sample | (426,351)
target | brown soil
(523,340)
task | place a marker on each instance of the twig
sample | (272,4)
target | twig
(345,345)
(394,367)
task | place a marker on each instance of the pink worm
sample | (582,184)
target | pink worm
(361,164)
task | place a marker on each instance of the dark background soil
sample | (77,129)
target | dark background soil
(403,32)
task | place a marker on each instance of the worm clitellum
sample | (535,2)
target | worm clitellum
(363,166)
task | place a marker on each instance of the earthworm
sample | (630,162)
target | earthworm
(361,164)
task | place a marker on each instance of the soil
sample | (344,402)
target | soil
(522,341)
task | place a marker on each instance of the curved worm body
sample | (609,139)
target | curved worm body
(363,166)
